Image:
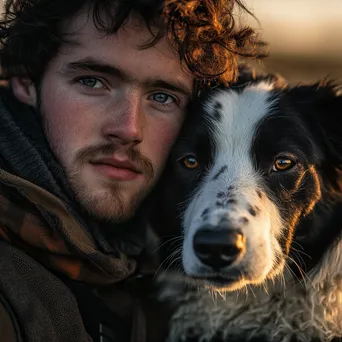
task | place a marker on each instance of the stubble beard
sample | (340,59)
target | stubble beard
(108,204)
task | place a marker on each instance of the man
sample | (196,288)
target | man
(96,97)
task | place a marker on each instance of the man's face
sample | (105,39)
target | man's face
(111,112)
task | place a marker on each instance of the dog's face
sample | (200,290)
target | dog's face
(248,170)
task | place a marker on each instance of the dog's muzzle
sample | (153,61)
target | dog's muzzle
(218,247)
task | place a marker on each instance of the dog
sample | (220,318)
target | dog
(251,213)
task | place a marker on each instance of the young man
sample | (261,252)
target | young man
(96,96)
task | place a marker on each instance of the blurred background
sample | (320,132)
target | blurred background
(304,36)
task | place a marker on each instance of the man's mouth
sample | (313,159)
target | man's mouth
(123,170)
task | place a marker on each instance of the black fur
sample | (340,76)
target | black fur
(306,123)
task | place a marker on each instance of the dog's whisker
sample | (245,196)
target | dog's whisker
(299,250)
(294,242)
(297,256)
(251,288)
(301,272)
(257,189)
(283,284)
(265,288)
(173,256)
(170,241)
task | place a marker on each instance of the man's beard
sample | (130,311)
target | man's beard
(110,206)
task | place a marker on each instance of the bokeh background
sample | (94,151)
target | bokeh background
(304,36)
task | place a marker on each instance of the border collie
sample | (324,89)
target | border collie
(252,193)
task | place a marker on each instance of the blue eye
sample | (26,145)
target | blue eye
(91,82)
(163,98)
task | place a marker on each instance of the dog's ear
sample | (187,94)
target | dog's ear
(321,106)
(328,117)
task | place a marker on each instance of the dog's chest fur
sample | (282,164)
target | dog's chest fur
(287,306)
(303,311)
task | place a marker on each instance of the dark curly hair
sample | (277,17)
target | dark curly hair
(203,32)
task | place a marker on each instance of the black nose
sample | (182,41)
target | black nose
(218,248)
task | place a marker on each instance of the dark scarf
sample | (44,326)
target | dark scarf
(52,255)
(38,212)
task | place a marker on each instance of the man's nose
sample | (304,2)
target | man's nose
(125,123)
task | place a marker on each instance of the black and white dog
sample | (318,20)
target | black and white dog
(254,187)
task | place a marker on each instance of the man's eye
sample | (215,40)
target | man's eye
(162,98)
(91,82)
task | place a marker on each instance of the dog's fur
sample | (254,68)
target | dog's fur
(287,283)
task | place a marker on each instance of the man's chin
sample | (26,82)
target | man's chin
(111,209)
(109,215)
(108,205)
(108,201)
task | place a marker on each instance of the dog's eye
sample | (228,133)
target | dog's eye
(283,164)
(190,162)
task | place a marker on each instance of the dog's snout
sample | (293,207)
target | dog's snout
(218,248)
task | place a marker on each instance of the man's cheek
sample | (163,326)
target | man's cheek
(165,143)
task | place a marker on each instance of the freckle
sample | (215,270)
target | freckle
(218,105)
(231,187)
(243,220)
(223,169)
(231,201)
(219,204)
(259,194)
(217,115)
(205,212)
(252,211)
(220,194)
(224,220)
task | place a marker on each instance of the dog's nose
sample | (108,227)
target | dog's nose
(218,248)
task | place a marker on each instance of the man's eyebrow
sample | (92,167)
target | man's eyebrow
(92,65)
(170,85)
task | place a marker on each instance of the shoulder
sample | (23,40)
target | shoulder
(7,330)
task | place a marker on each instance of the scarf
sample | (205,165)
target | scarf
(39,214)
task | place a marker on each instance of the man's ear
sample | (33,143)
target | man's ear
(24,90)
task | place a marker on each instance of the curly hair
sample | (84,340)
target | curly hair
(203,32)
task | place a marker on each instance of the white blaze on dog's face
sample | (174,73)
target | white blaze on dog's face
(255,181)
(231,194)
(250,181)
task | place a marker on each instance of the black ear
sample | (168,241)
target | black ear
(320,105)
(328,118)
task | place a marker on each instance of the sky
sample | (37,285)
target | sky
(300,30)
(301,26)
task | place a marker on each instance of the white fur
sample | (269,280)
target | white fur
(280,308)
(233,134)
(308,309)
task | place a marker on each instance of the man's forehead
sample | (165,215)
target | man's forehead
(94,65)
(125,50)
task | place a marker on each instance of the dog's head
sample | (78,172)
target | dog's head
(254,173)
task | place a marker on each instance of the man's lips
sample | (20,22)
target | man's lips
(120,164)
(117,169)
